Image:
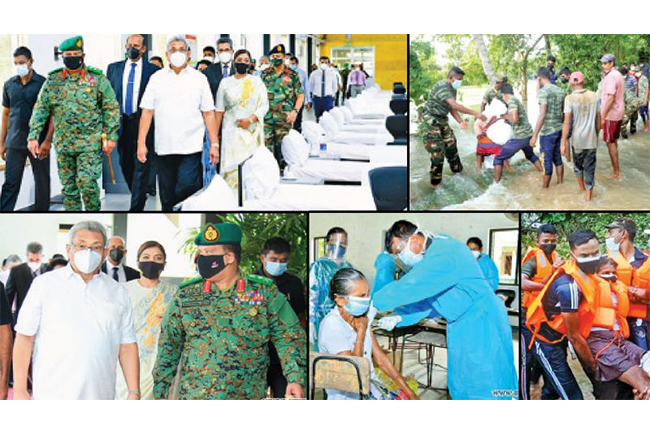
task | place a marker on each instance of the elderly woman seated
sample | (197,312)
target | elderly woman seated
(346,331)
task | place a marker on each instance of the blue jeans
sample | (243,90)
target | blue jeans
(513,146)
(209,170)
(550,151)
(552,358)
(638,332)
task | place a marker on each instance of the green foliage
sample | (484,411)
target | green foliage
(423,71)
(256,229)
(583,52)
(567,222)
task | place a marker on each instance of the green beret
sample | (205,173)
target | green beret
(218,234)
(74,43)
(278,49)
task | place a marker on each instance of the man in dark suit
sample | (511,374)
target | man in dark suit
(114,267)
(21,276)
(129,79)
(222,68)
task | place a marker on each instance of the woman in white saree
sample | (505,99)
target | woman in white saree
(242,102)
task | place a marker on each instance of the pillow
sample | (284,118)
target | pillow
(295,149)
(338,115)
(329,124)
(347,113)
(261,175)
(217,196)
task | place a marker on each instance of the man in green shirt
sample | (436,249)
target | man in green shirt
(494,92)
(549,126)
(522,131)
(439,139)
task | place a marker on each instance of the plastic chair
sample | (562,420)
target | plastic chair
(388,186)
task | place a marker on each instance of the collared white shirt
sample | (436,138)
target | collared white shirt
(78,330)
(121,274)
(178,101)
(316,79)
(136,83)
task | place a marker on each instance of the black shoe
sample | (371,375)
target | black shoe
(152,193)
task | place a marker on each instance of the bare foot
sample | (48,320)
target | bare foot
(588,195)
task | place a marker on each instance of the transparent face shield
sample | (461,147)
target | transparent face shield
(336,250)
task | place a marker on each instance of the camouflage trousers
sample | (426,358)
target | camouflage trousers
(273,135)
(440,142)
(630,117)
(79,172)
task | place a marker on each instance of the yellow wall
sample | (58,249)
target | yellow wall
(390,55)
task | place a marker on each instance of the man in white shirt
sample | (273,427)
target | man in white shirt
(323,85)
(114,266)
(78,323)
(179,98)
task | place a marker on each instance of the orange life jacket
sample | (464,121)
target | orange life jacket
(606,313)
(544,269)
(589,286)
(630,276)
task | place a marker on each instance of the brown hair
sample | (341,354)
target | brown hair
(151,244)
(242,51)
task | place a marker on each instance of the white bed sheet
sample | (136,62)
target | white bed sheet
(316,197)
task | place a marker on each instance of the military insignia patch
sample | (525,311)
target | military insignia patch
(211,234)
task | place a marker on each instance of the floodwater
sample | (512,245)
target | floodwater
(521,188)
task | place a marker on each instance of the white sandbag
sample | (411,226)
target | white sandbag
(500,132)
(495,108)
(347,113)
(295,149)
(217,196)
(338,115)
(261,175)
(329,125)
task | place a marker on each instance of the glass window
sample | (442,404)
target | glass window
(503,250)
(355,55)
(319,247)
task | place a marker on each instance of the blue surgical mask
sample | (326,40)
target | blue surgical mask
(22,70)
(456,84)
(357,306)
(294,67)
(408,257)
(275,268)
(337,251)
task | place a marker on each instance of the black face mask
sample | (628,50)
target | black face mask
(73,62)
(151,270)
(241,68)
(209,266)
(548,249)
(133,53)
(589,267)
(117,255)
(564,80)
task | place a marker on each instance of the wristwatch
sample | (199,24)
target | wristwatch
(134,392)
(215,144)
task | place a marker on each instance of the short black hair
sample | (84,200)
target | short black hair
(546,228)
(294,59)
(507,89)
(235,249)
(58,256)
(277,244)
(225,40)
(59,261)
(401,229)
(605,260)
(623,70)
(551,58)
(455,70)
(544,73)
(158,59)
(581,237)
(23,51)
(324,58)
(565,71)
(211,49)
(333,231)
(34,248)
(475,240)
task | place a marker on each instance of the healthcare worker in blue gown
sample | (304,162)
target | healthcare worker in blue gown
(446,281)
(487,265)
(320,275)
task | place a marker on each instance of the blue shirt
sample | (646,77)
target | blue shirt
(563,296)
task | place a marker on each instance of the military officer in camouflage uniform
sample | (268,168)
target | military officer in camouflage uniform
(631,107)
(286,97)
(494,91)
(439,139)
(218,327)
(83,107)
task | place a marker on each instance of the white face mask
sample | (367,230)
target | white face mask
(225,57)
(87,260)
(22,70)
(612,245)
(264,67)
(324,66)
(209,59)
(178,59)
(34,266)
(408,257)
(476,254)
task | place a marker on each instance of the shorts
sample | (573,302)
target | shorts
(613,359)
(550,151)
(612,130)
(643,111)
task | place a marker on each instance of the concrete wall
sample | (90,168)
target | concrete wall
(366,230)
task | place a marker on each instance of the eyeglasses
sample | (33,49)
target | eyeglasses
(96,248)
